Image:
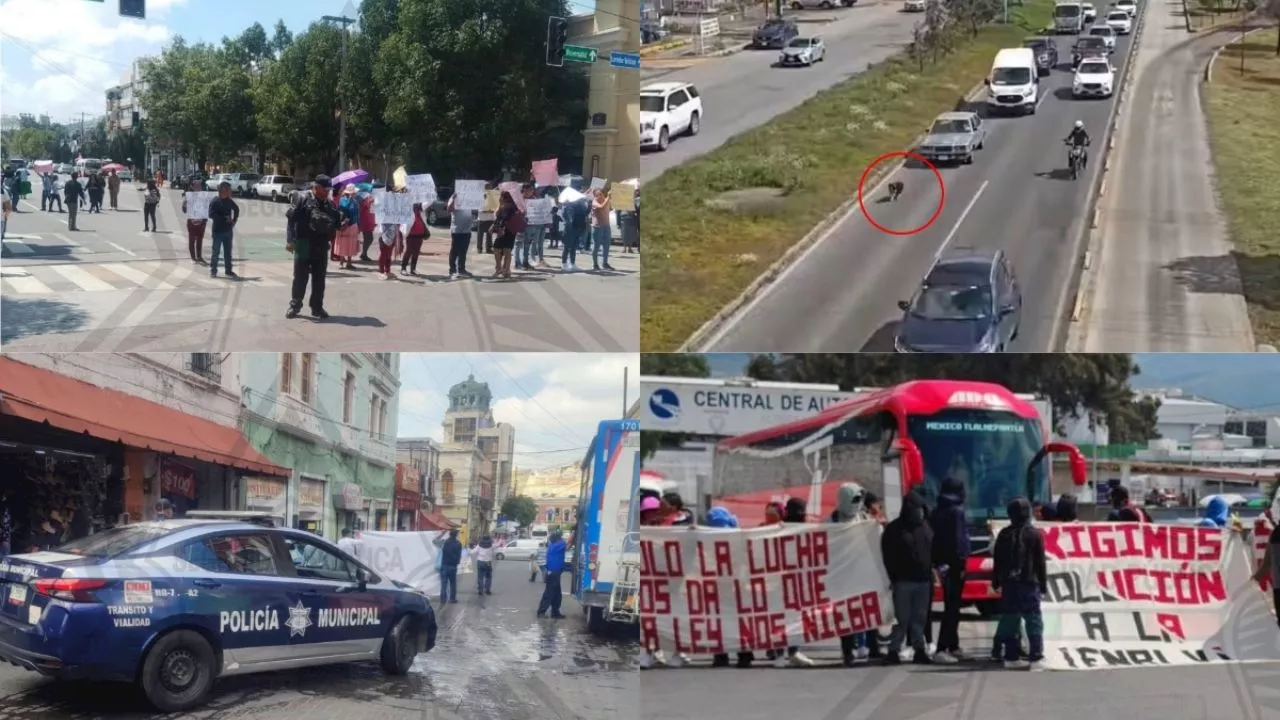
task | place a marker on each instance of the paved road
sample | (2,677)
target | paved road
(841,296)
(1166,280)
(969,691)
(112,287)
(743,91)
(493,661)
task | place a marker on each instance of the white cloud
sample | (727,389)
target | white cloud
(75,50)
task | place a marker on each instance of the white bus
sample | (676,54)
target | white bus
(89,166)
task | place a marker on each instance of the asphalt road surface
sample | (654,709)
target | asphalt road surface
(1166,280)
(842,294)
(972,690)
(493,661)
(743,91)
(112,287)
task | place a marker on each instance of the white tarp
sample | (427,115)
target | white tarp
(409,557)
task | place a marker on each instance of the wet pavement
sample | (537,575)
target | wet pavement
(493,661)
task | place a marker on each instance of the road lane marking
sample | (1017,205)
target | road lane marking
(122,249)
(17,248)
(136,276)
(82,278)
(75,247)
(954,228)
(27,285)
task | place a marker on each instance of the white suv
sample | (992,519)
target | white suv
(275,187)
(666,110)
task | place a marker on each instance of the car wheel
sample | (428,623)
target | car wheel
(797,6)
(695,124)
(968,159)
(275,196)
(178,671)
(664,138)
(500,556)
(826,5)
(400,647)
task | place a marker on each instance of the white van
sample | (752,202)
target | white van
(1014,83)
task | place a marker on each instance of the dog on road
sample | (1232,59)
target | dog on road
(895,189)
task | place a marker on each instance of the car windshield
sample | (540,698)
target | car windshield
(113,541)
(1036,45)
(1094,68)
(953,125)
(1090,42)
(800,43)
(772,26)
(1108,32)
(988,450)
(1011,76)
(1066,11)
(950,302)
(651,103)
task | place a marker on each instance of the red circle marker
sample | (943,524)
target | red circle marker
(942,201)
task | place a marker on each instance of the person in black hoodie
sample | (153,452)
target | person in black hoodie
(1020,576)
(907,548)
(950,552)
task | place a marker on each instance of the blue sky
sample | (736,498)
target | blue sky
(554,400)
(58,57)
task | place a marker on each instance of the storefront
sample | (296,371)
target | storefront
(349,507)
(76,458)
(268,495)
(310,515)
(408,497)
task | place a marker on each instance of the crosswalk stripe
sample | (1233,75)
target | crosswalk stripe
(183,275)
(82,278)
(136,276)
(18,248)
(27,285)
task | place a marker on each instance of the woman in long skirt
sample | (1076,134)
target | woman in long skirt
(347,243)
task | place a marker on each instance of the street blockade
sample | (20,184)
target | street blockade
(407,557)
(710,591)
(1120,595)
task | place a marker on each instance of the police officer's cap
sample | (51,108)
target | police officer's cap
(323,181)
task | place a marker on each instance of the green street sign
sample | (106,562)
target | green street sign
(576,53)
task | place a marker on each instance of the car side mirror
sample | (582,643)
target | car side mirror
(363,577)
(903,305)
(1007,310)
(986,81)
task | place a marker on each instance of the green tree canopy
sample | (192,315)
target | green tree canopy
(520,508)
(1095,384)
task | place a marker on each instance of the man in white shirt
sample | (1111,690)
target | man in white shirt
(347,543)
(483,555)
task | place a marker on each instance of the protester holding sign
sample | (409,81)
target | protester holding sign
(907,547)
(460,222)
(197,220)
(1021,577)
(601,231)
(509,222)
(857,646)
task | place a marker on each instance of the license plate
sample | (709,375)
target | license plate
(944,157)
(18,594)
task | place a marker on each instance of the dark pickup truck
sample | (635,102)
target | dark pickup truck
(1086,46)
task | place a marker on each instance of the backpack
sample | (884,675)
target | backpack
(320,222)
(516,222)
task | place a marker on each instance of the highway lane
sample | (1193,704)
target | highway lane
(743,91)
(841,295)
(1166,280)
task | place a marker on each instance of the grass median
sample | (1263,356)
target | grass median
(697,259)
(1245,137)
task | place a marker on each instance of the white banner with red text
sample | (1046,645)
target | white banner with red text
(1143,594)
(710,591)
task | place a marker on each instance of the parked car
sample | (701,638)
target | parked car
(774,34)
(1046,51)
(954,137)
(438,211)
(215,180)
(913,6)
(274,187)
(668,109)
(519,549)
(652,32)
(242,183)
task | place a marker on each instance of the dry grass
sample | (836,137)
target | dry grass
(698,260)
(1245,135)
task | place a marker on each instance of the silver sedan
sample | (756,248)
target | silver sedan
(803,51)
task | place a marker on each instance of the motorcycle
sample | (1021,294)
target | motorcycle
(1075,159)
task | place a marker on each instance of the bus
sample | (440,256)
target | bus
(89,166)
(897,440)
(606,559)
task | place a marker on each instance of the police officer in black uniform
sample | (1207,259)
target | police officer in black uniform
(313,222)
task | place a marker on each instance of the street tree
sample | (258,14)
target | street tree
(674,365)
(296,100)
(1093,385)
(198,99)
(521,509)
(30,142)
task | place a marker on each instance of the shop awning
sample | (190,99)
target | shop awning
(433,521)
(66,403)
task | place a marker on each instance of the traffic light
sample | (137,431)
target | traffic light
(134,9)
(557,38)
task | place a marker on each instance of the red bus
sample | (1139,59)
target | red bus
(893,441)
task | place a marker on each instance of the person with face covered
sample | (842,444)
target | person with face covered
(719,517)
(680,515)
(849,508)
(907,548)
(1020,576)
(950,552)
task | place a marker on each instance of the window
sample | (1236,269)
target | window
(307,381)
(446,486)
(240,554)
(377,414)
(348,397)
(382,417)
(286,373)
(205,365)
(318,563)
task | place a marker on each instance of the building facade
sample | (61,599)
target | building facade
(476,459)
(611,140)
(331,417)
(423,456)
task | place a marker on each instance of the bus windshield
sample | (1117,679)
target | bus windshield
(988,450)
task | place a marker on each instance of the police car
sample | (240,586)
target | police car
(174,605)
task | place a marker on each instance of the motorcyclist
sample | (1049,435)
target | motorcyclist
(1079,138)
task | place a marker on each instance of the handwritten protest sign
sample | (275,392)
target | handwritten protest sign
(422,188)
(198,204)
(393,207)
(1145,594)
(470,194)
(624,197)
(598,183)
(569,195)
(538,212)
(566,181)
(516,190)
(709,591)
(546,173)
(492,199)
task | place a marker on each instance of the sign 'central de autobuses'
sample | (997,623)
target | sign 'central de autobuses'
(267,619)
(767,402)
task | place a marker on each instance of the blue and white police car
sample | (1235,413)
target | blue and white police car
(176,604)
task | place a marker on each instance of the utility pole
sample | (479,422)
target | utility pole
(344,21)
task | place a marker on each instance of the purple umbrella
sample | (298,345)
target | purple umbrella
(351,176)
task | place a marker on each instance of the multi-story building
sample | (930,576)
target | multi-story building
(423,456)
(331,417)
(476,458)
(611,140)
(124,100)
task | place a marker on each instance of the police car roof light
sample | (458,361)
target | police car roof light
(73,589)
